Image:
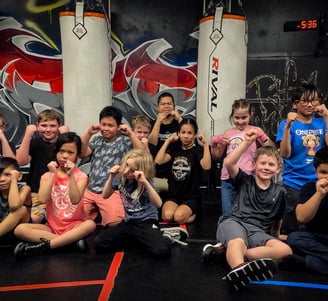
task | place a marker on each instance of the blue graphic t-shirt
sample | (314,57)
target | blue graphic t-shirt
(104,156)
(136,202)
(305,140)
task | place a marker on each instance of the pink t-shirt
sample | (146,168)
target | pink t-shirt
(245,162)
(62,215)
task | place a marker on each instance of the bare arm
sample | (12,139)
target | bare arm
(16,196)
(285,145)
(75,189)
(162,156)
(6,149)
(22,155)
(306,212)
(153,195)
(126,130)
(86,151)
(46,184)
(206,161)
(231,160)
(153,136)
(108,189)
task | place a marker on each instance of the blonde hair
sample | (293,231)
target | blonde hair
(270,151)
(47,115)
(141,120)
(143,161)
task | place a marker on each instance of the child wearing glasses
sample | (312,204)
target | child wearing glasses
(299,136)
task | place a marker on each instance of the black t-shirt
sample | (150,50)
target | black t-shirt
(319,223)
(41,153)
(166,130)
(185,170)
(256,206)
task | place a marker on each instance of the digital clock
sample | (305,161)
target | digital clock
(301,25)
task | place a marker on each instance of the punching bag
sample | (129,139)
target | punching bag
(86,66)
(221,70)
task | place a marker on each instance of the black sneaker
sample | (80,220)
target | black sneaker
(213,254)
(256,270)
(24,249)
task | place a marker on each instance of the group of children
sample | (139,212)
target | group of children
(131,166)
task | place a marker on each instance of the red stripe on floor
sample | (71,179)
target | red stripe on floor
(111,275)
(49,285)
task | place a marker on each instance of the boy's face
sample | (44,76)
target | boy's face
(141,131)
(266,167)
(5,177)
(49,130)
(165,105)
(322,171)
(109,128)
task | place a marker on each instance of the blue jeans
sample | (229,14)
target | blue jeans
(315,247)
(228,196)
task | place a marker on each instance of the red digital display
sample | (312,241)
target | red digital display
(301,25)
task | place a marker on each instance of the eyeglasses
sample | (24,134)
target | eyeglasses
(305,102)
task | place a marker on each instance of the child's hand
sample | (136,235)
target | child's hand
(52,166)
(322,186)
(69,166)
(321,110)
(251,135)
(144,140)
(139,176)
(15,175)
(202,139)
(94,129)
(176,115)
(31,129)
(219,140)
(115,170)
(162,116)
(291,117)
(125,129)
(174,137)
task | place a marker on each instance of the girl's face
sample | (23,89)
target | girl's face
(187,135)
(68,151)
(322,171)
(48,130)
(129,169)
(241,118)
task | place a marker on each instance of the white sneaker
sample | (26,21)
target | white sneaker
(176,235)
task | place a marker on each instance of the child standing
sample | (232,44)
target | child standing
(14,198)
(299,136)
(250,231)
(106,150)
(187,161)
(62,189)
(240,117)
(166,124)
(312,213)
(37,148)
(141,203)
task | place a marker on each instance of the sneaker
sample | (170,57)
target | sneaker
(24,249)
(176,235)
(256,270)
(213,254)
